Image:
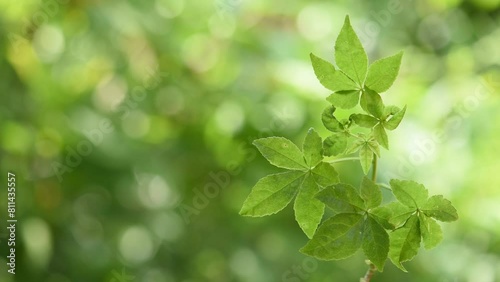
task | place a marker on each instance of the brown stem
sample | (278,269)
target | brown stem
(374,168)
(369,274)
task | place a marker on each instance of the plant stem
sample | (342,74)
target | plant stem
(369,274)
(372,269)
(344,159)
(374,169)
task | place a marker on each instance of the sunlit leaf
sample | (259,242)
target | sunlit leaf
(281,152)
(440,208)
(313,148)
(329,77)
(431,232)
(350,55)
(308,209)
(272,193)
(344,99)
(409,193)
(382,73)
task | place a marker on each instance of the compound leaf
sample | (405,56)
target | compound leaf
(272,193)
(338,237)
(382,73)
(281,152)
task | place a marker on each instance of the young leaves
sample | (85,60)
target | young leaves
(353,74)
(308,176)
(359,220)
(342,235)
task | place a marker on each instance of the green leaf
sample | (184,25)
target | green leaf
(355,146)
(392,215)
(350,55)
(325,174)
(338,237)
(272,193)
(329,77)
(374,147)
(382,73)
(313,148)
(409,193)
(335,144)
(308,209)
(370,193)
(399,213)
(371,102)
(341,198)
(375,243)
(390,110)
(366,157)
(364,120)
(393,122)
(381,136)
(344,99)
(431,232)
(405,242)
(281,152)
(440,208)
(329,120)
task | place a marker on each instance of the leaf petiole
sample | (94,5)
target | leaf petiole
(344,160)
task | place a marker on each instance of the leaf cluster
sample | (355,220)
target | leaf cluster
(360,221)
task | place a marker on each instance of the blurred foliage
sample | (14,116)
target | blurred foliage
(117,115)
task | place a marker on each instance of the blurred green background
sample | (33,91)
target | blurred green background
(129,127)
